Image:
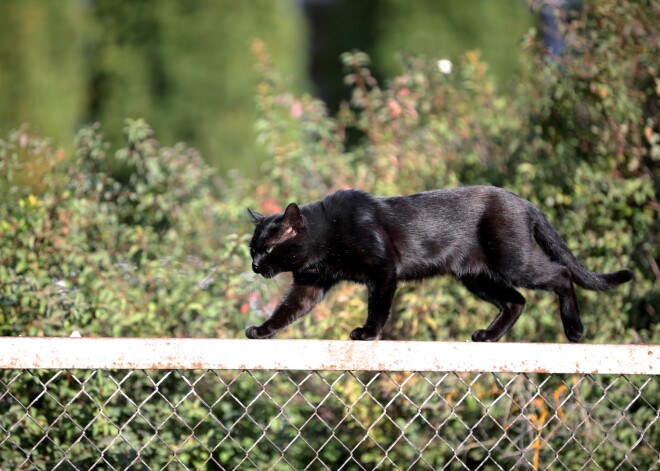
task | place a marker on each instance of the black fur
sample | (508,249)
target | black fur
(486,237)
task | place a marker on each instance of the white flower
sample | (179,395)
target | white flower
(445,66)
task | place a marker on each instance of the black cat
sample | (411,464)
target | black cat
(483,236)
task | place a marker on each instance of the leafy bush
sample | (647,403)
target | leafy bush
(134,245)
(149,242)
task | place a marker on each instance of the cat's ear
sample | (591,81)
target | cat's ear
(292,223)
(293,217)
(256,217)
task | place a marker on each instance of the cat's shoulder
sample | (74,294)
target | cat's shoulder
(349,196)
(345,205)
(349,193)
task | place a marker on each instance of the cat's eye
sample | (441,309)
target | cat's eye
(268,250)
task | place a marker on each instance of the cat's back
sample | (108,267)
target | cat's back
(464,200)
(461,203)
(452,202)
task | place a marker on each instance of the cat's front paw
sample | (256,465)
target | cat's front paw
(362,333)
(574,333)
(483,335)
(253,332)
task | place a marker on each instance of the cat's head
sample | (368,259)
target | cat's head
(276,242)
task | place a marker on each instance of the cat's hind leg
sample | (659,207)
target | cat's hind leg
(509,301)
(550,276)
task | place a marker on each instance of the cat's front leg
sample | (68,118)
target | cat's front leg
(300,299)
(381,293)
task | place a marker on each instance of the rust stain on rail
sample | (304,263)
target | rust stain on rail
(136,353)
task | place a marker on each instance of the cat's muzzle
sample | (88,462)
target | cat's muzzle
(266,272)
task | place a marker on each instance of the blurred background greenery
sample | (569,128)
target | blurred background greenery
(187,69)
(120,231)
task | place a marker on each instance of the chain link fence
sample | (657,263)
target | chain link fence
(247,419)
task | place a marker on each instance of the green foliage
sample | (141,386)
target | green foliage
(149,242)
(134,245)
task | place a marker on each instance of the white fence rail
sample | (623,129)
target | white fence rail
(140,353)
(183,404)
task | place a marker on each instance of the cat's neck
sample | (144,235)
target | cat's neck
(318,233)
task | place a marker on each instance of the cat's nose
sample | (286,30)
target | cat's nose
(255,267)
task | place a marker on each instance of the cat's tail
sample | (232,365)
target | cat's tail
(554,246)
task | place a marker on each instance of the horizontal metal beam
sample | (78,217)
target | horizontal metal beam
(141,353)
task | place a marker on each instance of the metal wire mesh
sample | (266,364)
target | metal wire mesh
(348,420)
